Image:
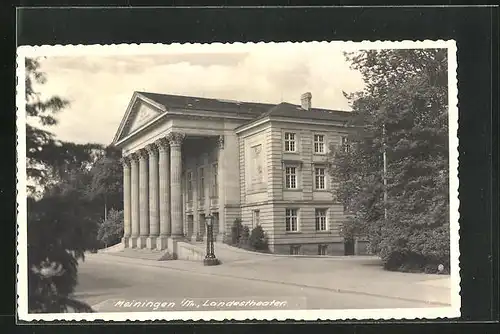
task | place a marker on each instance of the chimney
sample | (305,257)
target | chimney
(305,101)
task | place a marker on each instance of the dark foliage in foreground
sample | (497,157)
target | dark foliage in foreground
(403,108)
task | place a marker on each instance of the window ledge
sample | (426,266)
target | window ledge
(322,190)
(293,232)
(323,232)
(292,189)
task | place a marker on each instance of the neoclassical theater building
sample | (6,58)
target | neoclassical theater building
(185,158)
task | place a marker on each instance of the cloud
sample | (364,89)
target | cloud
(100,87)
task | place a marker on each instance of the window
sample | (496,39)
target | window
(291,177)
(189,180)
(291,220)
(201,190)
(319,144)
(319,178)
(215,182)
(322,249)
(321,220)
(290,142)
(294,250)
(256,218)
(345,144)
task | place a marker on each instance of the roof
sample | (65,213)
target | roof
(285,109)
(209,104)
(259,110)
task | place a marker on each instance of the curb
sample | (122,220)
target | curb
(338,290)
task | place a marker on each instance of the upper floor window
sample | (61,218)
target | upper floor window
(189,180)
(319,178)
(291,177)
(291,220)
(320,216)
(201,189)
(345,144)
(215,181)
(290,142)
(319,144)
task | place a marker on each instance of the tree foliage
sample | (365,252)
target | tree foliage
(61,222)
(106,184)
(59,232)
(403,109)
(111,229)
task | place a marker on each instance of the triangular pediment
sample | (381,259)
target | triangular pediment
(143,115)
(139,114)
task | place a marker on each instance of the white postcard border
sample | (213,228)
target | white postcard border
(311,315)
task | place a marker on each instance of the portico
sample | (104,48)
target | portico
(154,195)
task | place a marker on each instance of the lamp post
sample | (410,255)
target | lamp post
(210,259)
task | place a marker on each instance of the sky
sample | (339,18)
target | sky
(100,86)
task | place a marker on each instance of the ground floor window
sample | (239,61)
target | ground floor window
(256,218)
(320,215)
(322,249)
(294,249)
(291,222)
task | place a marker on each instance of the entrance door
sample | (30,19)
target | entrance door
(216,223)
(202,225)
(349,246)
(190,225)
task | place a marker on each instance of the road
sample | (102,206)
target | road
(102,279)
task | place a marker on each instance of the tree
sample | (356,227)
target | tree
(59,232)
(111,229)
(402,110)
(60,224)
(106,185)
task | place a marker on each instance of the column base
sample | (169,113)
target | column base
(141,242)
(194,238)
(219,237)
(132,242)
(125,242)
(162,242)
(151,242)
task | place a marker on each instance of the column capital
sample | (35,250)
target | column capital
(133,157)
(126,160)
(152,149)
(175,138)
(142,154)
(220,141)
(162,144)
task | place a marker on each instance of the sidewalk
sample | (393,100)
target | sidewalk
(359,275)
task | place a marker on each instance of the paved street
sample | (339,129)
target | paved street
(104,278)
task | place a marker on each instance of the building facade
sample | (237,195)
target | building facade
(186,158)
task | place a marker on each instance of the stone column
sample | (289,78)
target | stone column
(164,192)
(154,213)
(127,223)
(143,199)
(196,214)
(221,163)
(175,140)
(134,199)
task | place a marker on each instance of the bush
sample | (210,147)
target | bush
(417,250)
(258,239)
(244,237)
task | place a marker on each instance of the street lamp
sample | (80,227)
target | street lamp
(210,259)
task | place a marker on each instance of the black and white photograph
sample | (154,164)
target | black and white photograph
(267,181)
